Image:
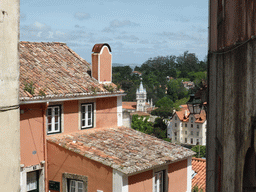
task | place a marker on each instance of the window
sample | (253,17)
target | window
(191,132)
(74,182)
(186,140)
(197,142)
(53,119)
(191,125)
(197,126)
(76,186)
(186,132)
(175,124)
(192,120)
(159,181)
(87,115)
(186,125)
(175,118)
(197,133)
(32,181)
(191,140)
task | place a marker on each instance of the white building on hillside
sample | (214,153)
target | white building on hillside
(141,96)
(187,128)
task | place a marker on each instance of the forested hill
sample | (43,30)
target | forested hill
(186,67)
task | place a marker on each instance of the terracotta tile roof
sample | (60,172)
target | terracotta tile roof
(200,118)
(124,149)
(129,105)
(55,71)
(137,72)
(199,166)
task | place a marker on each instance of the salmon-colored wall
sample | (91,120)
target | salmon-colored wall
(177,175)
(62,161)
(95,66)
(31,134)
(71,116)
(105,65)
(106,112)
(141,182)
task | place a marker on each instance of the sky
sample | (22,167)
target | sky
(135,30)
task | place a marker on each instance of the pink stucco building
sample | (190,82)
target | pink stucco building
(72,138)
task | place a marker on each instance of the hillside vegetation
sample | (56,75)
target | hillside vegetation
(168,93)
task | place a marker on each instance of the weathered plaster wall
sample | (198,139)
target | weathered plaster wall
(142,182)
(177,176)
(232,104)
(32,134)
(71,116)
(9,83)
(106,112)
(232,93)
(62,161)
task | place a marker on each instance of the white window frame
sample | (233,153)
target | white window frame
(53,122)
(76,186)
(85,119)
(163,171)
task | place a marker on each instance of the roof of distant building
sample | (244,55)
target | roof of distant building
(199,167)
(129,105)
(137,72)
(53,70)
(141,89)
(124,149)
(184,115)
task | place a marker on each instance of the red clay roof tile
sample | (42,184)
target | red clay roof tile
(53,69)
(199,166)
(124,149)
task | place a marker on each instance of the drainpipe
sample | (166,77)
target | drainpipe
(45,147)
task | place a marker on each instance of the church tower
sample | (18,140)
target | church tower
(141,96)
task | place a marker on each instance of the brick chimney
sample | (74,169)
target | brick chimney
(102,63)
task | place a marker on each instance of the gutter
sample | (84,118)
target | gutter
(58,99)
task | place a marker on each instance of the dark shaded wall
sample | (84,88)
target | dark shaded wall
(232,92)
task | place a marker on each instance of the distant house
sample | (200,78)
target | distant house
(137,73)
(199,173)
(188,84)
(187,128)
(71,132)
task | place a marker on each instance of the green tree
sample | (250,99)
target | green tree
(200,151)
(142,124)
(176,90)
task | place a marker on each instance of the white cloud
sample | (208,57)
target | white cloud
(81,15)
(129,38)
(115,24)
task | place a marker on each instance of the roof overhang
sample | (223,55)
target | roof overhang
(67,98)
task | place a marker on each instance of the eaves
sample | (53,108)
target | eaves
(58,98)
